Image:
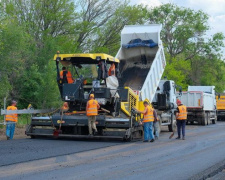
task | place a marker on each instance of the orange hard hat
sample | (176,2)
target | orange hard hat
(92,95)
(178,101)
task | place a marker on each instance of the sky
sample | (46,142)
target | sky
(214,8)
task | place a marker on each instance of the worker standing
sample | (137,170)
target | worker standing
(112,70)
(65,107)
(92,111)
(181,117)
(148,122)
(156,124)
(11,120)
(66,76)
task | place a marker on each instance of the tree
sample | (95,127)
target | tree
(181,26)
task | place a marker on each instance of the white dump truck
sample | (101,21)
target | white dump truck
(142,64)
(201,104)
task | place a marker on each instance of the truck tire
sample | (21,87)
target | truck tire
(172,126)
(32,137)
(204,119)
(208,118)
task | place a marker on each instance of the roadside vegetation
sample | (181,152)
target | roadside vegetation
(31,31)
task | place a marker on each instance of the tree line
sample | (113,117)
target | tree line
(31,31)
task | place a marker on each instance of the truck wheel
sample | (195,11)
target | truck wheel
(204,119)
(172,127)
(208,118)
(32,137)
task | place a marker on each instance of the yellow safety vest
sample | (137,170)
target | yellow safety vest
(11,117)
(182,115)
(92,109)
(148,116)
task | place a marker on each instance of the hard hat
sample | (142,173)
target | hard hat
(178,101)
(92,95)
(13,102)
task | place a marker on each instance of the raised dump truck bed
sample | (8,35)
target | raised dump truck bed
(142,59)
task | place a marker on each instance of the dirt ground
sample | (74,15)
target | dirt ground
(19,133)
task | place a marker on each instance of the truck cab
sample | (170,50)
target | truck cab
(165,103)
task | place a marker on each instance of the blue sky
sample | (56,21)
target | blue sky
(214,8)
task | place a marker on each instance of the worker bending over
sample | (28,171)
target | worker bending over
(66,76)
(92,111)
(11,120)
(112,70)
(181,117)
(148,122)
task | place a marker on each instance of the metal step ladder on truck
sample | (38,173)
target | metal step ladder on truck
(220,104)
(201,104)
(140,63)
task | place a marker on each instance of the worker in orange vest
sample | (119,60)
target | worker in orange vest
(91,112)
(65,107)
(148,122)
(112,70)
(11,120)
(181,117)
(66,76)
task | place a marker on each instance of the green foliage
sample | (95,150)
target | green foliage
(180,26)
(178,70)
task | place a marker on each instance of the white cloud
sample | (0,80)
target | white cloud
(217,24)
(212,7)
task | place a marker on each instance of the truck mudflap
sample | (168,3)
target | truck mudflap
(77,127)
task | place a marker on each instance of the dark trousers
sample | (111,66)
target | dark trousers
(181,124)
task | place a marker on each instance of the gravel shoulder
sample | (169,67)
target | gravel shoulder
(19,133)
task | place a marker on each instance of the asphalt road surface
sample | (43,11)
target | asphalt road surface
(202,152)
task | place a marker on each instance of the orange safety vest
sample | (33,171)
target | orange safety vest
(182,115)
(148,116)
(65,106)
(92,108)
(68,76)
(112,68)
(11,117)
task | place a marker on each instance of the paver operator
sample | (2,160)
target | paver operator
(112,70)
(92,111)
(66,76)
(11,120)
(181,117)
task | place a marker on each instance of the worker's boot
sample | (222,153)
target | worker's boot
(95,132)
(146,141)
(178,137)
(7,137)
(183,138)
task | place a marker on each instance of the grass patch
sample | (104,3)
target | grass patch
(23,119)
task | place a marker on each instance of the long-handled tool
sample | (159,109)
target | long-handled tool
(58,131)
